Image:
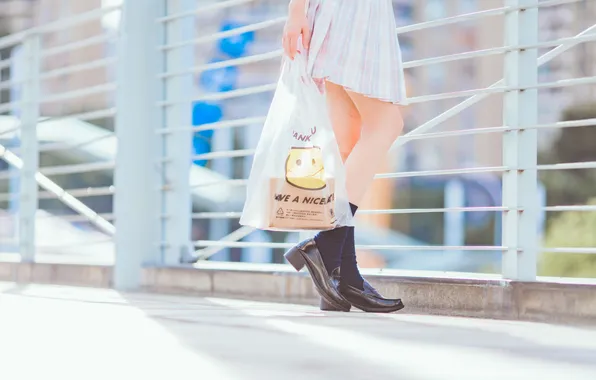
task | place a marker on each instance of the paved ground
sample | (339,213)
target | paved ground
(52,332)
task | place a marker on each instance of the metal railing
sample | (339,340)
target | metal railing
(31,133)
(155,182)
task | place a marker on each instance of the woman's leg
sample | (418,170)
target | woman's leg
(346,123)
(382,123)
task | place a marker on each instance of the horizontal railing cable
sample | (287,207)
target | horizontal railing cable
(204,9)
(229,244)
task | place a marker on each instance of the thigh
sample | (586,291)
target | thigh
(378,117)
(345,118)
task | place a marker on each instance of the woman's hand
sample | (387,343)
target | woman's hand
(296,26)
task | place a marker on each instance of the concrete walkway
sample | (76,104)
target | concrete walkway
(55,332)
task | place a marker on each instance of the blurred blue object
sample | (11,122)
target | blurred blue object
(219,80)
(225,78)
(204,113)
(235,46)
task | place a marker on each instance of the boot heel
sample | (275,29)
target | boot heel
(326,306)
(295,258)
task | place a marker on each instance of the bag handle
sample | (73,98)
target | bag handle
(298,67)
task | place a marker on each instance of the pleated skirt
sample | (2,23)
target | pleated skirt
(354,44)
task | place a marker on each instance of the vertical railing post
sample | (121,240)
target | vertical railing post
(176,197)
(520,225)
(29,151)
(137,175)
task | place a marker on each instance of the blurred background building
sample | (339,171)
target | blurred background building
(555,22)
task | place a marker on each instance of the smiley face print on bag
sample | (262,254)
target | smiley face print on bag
(304,168)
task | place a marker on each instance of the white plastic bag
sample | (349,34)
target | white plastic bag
(297,180)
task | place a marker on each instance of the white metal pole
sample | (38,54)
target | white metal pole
(136,175)
(454,229)
(177,201)
(541,213)
(520,232)
(28,190)
(17,64)
(223,140)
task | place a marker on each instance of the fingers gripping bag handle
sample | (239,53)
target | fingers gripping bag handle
(297,180)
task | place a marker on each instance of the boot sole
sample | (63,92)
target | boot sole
(326,306)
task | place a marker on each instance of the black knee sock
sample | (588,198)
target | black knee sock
(349,266)
(330,243)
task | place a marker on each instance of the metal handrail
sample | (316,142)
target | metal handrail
(172,73)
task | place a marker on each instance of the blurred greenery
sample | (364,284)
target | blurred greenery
(570,229)
(4,54)
(571,187)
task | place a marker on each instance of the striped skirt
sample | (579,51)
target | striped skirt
(354,44)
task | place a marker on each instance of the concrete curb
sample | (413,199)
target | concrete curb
(548,300)
(60,274)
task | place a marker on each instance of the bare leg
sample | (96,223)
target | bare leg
(346,123)
(382,123)
(365,129)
